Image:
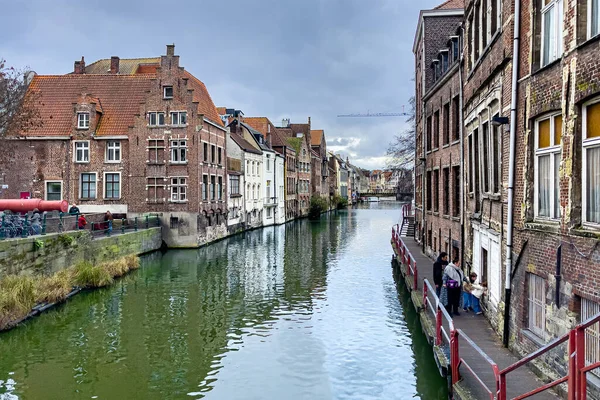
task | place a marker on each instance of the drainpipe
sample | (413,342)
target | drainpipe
(511,170)
(424,143)
(462,148)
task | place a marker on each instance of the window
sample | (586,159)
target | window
(436,129)
(83,120)
(220,188)
(53,190)
(156,190)
(446,122)
(552,23)
(156,119)
(593,18)
(219,156)
(436,190)
(429,133)
(82,152)
(178,118)
(444,57)
(167,92)
(485,161)
(204,187)
(537,305)
(471,180)
(156,151)
(112,185)
(178,189)
(429,190)
(455,119)
(590,309)
(113,151)
(591,161)
(178,151)
(446,181)
(234,182)
(212,187)
(457,191)
(268,164)
(547,161)
(205,152)
(212,154)
(88,186)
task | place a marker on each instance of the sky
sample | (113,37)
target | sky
(274,58)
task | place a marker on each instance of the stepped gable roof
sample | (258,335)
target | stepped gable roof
(117,97)
(451,4)
(316,137)
(127,66)
(147,66)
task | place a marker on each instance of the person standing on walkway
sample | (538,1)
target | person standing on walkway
(467,287)
(36,221)
(108,222)
(452,287)
(74,210)
(438,271)
(476,293)
(81,222)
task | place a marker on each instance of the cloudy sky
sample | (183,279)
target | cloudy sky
(275,58)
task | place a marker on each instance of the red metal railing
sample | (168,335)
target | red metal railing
(439,313)
(405,257)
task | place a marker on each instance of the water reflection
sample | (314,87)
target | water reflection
(302,311)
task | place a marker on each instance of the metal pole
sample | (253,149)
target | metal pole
(44,225)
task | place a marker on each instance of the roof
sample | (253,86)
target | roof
(117,97)
(263,146)
(147,66)
(244,145)
(300,128)
(127,66)
(205,103)
(451,5)
(316,137)
(314,153)
(222,110)
(262,124)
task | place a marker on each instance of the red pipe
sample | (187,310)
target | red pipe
(25,205)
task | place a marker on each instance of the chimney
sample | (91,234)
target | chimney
(79,67)
(114,65)
(171,49)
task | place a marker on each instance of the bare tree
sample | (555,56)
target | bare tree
(401,151)
(18,111)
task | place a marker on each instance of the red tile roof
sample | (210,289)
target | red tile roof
(205,103)
(316,137)
(262,125)
(451,4)
(118,97)
(244,144)
(127,66)
(222,110)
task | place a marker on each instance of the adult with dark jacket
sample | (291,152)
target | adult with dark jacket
(453,279)
(438,271)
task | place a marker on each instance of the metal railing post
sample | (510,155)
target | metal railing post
(3,229)
(135,224)
(580,377)
(454,357)
(147,223)
(61,226)
(25,230)
(157,221)
(44,224)
(438,325)
(424,296)
(573,379)
(416,278)
(122,225)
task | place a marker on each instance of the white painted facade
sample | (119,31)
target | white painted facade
(269,191)
(253,186)
(235,203)
(487,260)
(280,189)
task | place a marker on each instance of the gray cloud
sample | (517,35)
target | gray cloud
(275,58)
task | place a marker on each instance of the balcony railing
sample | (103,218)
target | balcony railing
(270,201)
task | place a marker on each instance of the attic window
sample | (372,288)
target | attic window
(167,92)
(83,120)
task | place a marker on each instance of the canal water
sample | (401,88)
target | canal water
(308,310)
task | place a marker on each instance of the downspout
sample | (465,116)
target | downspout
(511,170)
(424,144)
(462,147)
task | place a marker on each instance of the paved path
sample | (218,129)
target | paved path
(480,331)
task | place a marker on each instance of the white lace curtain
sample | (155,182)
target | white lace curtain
(593,184)
(545,172)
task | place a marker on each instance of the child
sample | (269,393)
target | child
(467,288)
(476,292)
(81,222)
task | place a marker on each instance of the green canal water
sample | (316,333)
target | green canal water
(308,310)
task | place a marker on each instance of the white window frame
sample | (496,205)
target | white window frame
(165,96)
(152,185)
(586,144)
(46,188)
(220,187)
(81,186)
(590,309)
(212,193)
(551,151)
(590,6)
(83,120)
(556,7)
(536,303)
(205,183)
(114,146)
(177,194)
(157,115)
(177,117)
(178,148)
(84,149)
(105,185)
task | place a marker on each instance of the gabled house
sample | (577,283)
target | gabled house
(320,170)
(130,136)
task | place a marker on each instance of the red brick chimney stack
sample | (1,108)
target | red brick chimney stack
(114,65)
(79,67)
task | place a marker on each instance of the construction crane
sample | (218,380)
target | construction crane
(368,114)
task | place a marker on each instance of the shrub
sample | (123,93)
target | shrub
(318,205)
(89,276)
(133,261)
(339,202)
(55,288)
(17,297)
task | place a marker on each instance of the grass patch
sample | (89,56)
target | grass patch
(90,276)
(17,297)
(56,287)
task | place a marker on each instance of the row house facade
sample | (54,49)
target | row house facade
(320,170)
(131,136)
(464,51)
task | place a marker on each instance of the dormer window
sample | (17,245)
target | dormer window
(83,120)
(435,66)
(167,92)
(454,47)
(444,58)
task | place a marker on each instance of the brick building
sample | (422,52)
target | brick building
(131,136)
(319,170)
(438,129)
(557,195)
